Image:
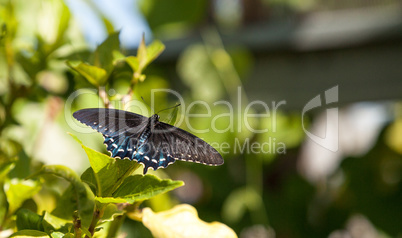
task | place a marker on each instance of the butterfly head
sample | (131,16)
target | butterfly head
(155,117)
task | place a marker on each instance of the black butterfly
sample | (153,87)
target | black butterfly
(147,140)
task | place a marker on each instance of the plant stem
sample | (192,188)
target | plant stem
(103,96)
(98,214)
(77,228)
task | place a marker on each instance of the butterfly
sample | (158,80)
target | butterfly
(147,140)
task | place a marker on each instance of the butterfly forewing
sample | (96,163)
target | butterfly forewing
(119,128)
(188,147)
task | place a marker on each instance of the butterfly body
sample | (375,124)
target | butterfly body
(146,140)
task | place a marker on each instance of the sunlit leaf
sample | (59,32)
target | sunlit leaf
(29,233)
(82,197)
(51,222)
(17,191)
(108,25)
(142,54)
(57,234)
(106,200)
(154,50)
(138,188)
(95,75)
(183,221)
(145,55)
(133,62)
(108,172)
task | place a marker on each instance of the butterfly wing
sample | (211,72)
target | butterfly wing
(177,144)
(129,135)
(121,129)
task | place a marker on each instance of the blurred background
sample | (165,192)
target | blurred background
(239,51)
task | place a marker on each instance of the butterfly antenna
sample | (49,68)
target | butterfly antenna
(168,108)
(152,110)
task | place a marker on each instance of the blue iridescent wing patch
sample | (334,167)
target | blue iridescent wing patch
(147,140)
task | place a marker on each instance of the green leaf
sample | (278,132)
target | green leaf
(108,172)
(142,54)
(3,203)
(154,50)
(57,234)
(63,25)
(29,220)
(22,166)
(103,56)
(108,25)
(5,168)
(110,212)
(89,178)
(29,233)
(107,200)
(86,232)
(17,191)
(133,62)
(69,235)
(138,188)
(145,55)
(95,75)
(51,222)
(79,195)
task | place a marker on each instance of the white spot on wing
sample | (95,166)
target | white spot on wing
(146,157)
(114,145)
